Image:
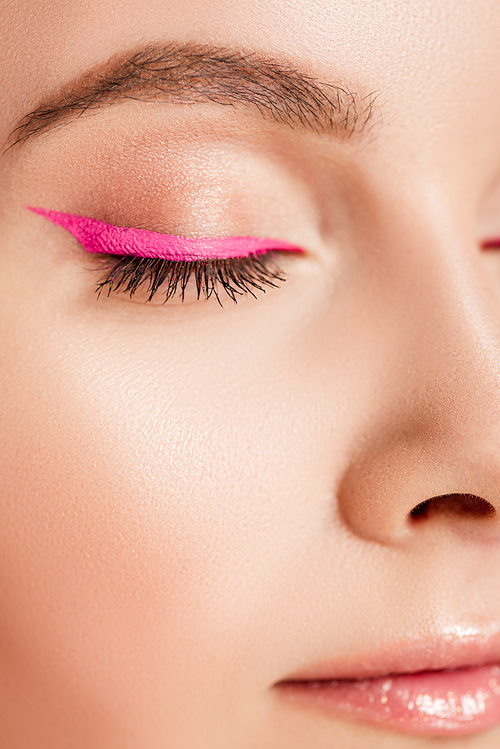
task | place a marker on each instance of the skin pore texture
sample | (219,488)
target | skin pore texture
(201,504)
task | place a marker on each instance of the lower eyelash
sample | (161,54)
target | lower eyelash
(234,276)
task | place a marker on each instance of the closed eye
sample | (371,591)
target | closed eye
(233,276)
(136,259)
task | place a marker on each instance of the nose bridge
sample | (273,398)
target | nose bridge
(449,310)
(437,426)
(456,348)
(450,340)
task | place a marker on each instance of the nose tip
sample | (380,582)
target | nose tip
(389,499)
(428,448)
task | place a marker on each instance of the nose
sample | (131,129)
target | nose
(428,444)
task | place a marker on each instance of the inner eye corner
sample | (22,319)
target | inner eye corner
(490,244)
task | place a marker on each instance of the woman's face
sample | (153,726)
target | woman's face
(201,502)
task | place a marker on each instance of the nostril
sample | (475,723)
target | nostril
(453,504)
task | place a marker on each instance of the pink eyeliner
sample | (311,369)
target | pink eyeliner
(99,236)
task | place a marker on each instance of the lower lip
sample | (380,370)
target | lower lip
(457,702)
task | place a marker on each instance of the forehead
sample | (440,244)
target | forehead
(434,64)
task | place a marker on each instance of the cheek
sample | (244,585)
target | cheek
(145,500)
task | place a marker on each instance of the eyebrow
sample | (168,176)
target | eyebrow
(195,74)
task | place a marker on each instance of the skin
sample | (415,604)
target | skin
(196,502)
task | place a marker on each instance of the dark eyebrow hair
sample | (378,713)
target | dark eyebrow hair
(191,73)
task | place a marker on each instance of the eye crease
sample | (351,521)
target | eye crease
(136,258)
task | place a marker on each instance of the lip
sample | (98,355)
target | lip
(445,685)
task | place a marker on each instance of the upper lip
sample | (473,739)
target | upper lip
(451,648)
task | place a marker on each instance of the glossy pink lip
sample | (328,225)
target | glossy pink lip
(101,237)
(431,702)
(447,686)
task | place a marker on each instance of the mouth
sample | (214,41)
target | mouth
(448,687)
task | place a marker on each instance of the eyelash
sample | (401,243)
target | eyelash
(235,276)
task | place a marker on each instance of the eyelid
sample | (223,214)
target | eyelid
(103,238)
